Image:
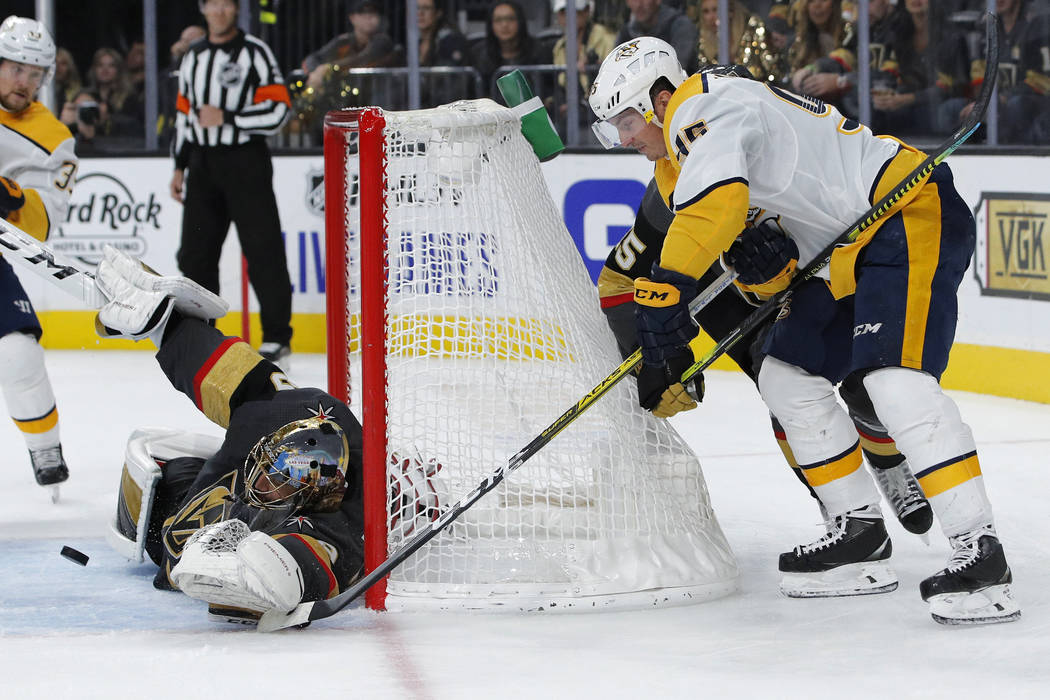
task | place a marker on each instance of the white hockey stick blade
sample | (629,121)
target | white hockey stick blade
(990,606)
(275,619)
(863,578)
(73,277)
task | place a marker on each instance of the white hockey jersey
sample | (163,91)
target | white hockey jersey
(36,151)
(734,142)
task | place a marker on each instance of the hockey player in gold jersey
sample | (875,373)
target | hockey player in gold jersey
(882,313)
(37,171)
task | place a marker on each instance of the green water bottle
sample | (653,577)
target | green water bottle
(536,125)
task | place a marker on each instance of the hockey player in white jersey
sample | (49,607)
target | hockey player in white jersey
(37,171)
(883,313)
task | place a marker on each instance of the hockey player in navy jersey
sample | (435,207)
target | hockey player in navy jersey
(633,257)
(37,172)
(883,312)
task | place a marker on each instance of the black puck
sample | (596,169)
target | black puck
(74,555)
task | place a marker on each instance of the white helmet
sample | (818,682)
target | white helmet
(25,40)
(624,80)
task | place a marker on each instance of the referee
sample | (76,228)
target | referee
(231,96)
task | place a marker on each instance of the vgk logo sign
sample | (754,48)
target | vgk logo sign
(1013,244)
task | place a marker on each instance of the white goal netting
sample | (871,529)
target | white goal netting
(492,331)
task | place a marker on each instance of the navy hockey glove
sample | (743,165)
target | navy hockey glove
(665,325)
(11,197)
(764,259)
(665,328)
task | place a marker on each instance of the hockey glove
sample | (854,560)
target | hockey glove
(764,259)
(662,316)
(11,197)
(661,391)
(665,328)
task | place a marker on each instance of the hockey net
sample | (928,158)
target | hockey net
(462,322)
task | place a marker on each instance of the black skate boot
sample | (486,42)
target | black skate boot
(49,468)
(849,560)
(974,589)
(902,491)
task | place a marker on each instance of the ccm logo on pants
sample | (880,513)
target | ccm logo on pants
(866,328)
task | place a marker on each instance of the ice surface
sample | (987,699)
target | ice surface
(102,631)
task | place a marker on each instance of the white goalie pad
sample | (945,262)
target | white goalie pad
(228,564)
(190,298)
(148,448)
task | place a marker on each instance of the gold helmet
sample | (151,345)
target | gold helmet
(302,464)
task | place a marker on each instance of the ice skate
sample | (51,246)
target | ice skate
(49,468)
(902,491)
(277,353)
(974,589)
(849,560)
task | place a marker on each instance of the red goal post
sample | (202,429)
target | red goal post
(443,247)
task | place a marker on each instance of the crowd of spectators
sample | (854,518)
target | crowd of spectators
(926,60)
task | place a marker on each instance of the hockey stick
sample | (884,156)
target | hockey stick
(878,210)
(37,256)
(307,612)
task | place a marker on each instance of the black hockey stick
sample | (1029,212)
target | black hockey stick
(878,210)
(307,612)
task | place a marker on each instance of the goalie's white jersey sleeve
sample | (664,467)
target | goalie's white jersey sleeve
(796,155)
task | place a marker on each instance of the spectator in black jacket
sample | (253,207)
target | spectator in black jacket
(652,18)
(507,42)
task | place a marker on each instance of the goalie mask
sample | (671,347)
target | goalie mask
(303,464)
(620,93)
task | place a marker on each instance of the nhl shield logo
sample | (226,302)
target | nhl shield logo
(315,191)
(230,75)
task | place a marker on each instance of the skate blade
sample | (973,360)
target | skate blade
(864,578)
(54,493)
(990,606)
(233,615)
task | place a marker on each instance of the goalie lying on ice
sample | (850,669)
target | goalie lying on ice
(266,517)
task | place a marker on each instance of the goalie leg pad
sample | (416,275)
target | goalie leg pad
(227,564)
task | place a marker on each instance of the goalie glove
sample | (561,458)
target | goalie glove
(131,312)
(227,564)
(190,298)
(764,258)
(12,198)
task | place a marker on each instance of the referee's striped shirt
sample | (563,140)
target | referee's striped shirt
(242,78)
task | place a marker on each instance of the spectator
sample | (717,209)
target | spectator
(925,67)
(169,83)
(507,42)
(612,14)
(823,52)
(780,36)
(593,41)
(652,18)
(748,41)
(88,119)
(1024,81)
(364,46)
(67,79)
(439,43)
(108,78)
(135,64)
